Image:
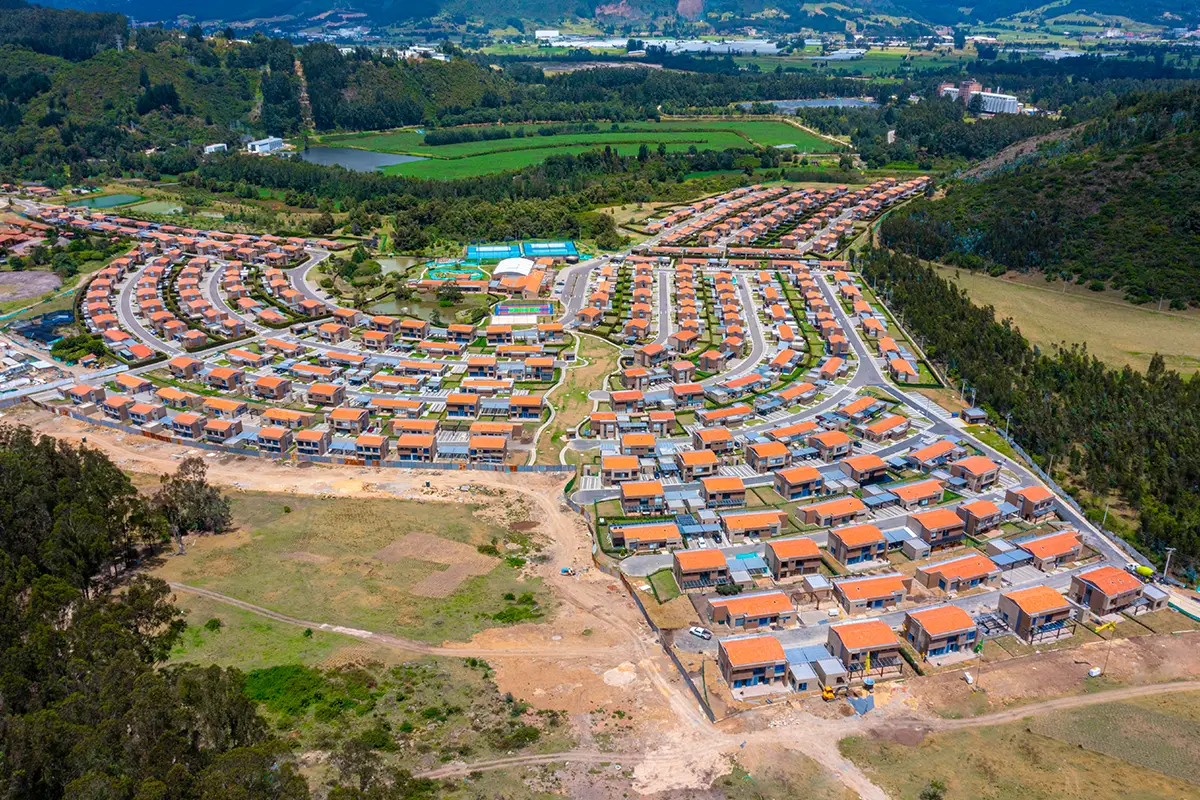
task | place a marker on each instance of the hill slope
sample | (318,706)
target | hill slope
(1118,205)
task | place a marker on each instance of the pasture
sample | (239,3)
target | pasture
(1114,331)
(394,566)
(470,159)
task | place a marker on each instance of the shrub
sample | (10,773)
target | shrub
(213,624)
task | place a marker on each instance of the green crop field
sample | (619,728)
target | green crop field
(463,159)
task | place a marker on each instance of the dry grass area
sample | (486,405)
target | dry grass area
(1114,331)
(395,566)
(1016,762)
(1009,681)
(570,400)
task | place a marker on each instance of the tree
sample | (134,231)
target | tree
(934,790)
(189,504)
(960,39)
(846,162)
(450,293)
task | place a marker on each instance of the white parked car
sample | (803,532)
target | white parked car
(700,633)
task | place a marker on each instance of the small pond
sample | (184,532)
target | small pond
(107,201)
(355,160)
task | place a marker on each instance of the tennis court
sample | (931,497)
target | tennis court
(492,252)
(549,249)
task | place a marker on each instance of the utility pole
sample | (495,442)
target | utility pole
(1167,565)
(1103,521)
(1007,417)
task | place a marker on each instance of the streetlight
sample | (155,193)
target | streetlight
(1006,419)
(1167,565)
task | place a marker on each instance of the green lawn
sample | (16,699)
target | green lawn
(463,159)
(992,439)
(664,585)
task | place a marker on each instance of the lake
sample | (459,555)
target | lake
(352,159)
(398,263)
(108,201)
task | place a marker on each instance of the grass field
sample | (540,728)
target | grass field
(1115,332)
(1143,748)
(571,403)
(353,562)
(467,159)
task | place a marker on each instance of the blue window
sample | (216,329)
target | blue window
(779,669)
(803,687)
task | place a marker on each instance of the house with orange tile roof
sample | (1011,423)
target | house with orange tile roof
(752,661)
(886,429)
(928,458)
(839,511)
(662,423)
(647,536)
(797,482)
(1033,503)
(483,449)
(959,574)
(271,387)
(866,649)
(274,440)
(1052,550)
(642,498)
(938,527)
(979,517)
(700,569)
(796,432)
(859,595)
(864,469)
(287,418)
(787,558)
(627,400)
(1036,614)
(830,445)
(919,494)
(188,425)
(979,472)
(348,420)
(313,442)
(418,448)
(763,524)
(722,492)
(696,464)
(857,544)
(371,447)
(219,431)
(1110,590)
(768,456)
(225,408)
(460,405)
(638,444)
(751,611)
(719,440)
(940,631)
(618,468)
(326,394)
(902,371)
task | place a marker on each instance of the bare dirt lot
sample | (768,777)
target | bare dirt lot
(26,285)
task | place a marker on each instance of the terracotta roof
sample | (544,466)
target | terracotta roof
(370,440)
(700,559)
(619,462)
(652,532)
(769,449)
(415,440)
(830,438)
(854,407)
(637,440)
(935,450)
(757,604)
(1037,600)
(867,635)
(697,458)
(980,508)
(868,461)
(937,519)
(1111,580)
(943,620)
(976,465)
(1055,544)
(858,535)
(752,520)
(872,587)
(801,474)
(842,505)
(965,568)
(641,489)
(913,491)
(719,484)
(887,423)
(794,548)
(755,650)
(1034,494)
(799,429)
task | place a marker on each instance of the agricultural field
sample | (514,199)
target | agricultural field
(1114,331)
(383,565)
(465,159)
(1099,752)
(879,62)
